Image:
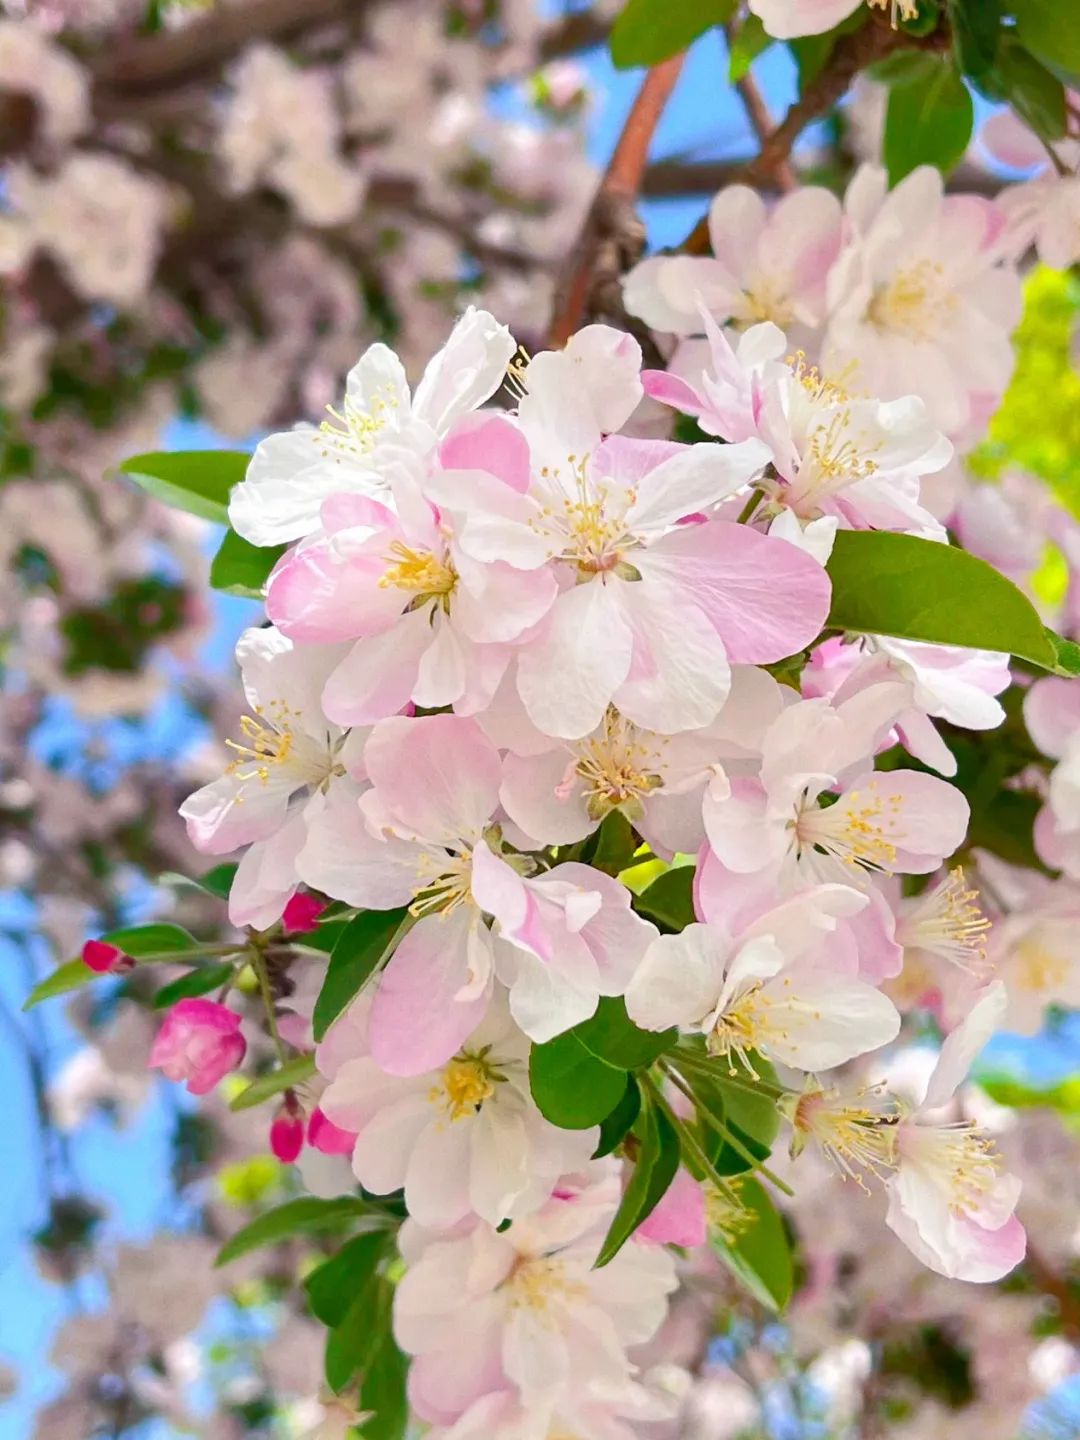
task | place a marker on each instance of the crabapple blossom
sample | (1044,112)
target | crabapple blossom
(899,821)
(465,1139)
(105,959)
(651,611)
(424,836)
(838,458)
(1052,715)
(558,792)
(756,991)
(199,1042)
(381,423)
(788,19)
(525,1310)
(289,759)
(756,272)
(920,301)
(948,1199)
(433,623)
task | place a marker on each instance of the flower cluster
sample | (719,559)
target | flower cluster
(501,640)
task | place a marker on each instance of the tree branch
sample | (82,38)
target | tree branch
(761,120)
(146,63)
(612,235)
(851,54)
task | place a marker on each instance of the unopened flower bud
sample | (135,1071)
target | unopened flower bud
(106,959)
(302,913)
(287,1130)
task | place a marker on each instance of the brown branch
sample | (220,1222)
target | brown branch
(146,63)
(761,120)
(612,232)
(667,179)
(851,54)
(576,32)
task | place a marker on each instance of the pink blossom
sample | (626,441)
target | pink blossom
(651,611)
(199,1042)
(325,1136)
(768,263)
(948,1201)
(679,1218)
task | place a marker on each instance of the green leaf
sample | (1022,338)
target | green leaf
(332,1288)
(353,1344)
(748,42)
(612,847)
(669,900)
(240,568)
(144,942)
(198,481)
(885,584)
(1050,30)
(615,1126)
(195,982)
(928,123)
(216,882)
(655,1168)
(1066,653)
(753,1118)
(611,1035)
(648,31)
(976,31)
(285,1077)
(760,1257)
(71,976)
(573,1088)
(1037,95)
(296,1217)
(383,1392)
(355,957)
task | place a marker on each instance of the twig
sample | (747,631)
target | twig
(611,224)
(761,120)
(852,53)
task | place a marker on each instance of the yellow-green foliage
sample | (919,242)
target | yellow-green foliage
(1037,428)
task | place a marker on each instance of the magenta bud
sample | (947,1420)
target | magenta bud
(302,913)
(105,959)
(324,1135)
(287,1131)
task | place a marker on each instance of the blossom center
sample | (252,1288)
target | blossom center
(898,9)
(421,572)
(467,1082)
(915,303)
(583,519)
(539,1284)
(444,883)
(856,830)
(617,768)
(271,739)
(947,921)
(854,1137)
(352,430)
(725,1212)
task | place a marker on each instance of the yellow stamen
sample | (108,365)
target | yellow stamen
(856,829)
(352,430)
(444,883)
(726,1213)
(420,572)
(467,1082)
(535,1284)
(916,303)
(898,9)
(947,921)
(618,768)
(852,1135)
(1037,968)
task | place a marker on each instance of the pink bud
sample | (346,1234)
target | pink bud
(287,1130)
(679,1218)
(324,1135)
(199,1042)
(106,959)
(302,912)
